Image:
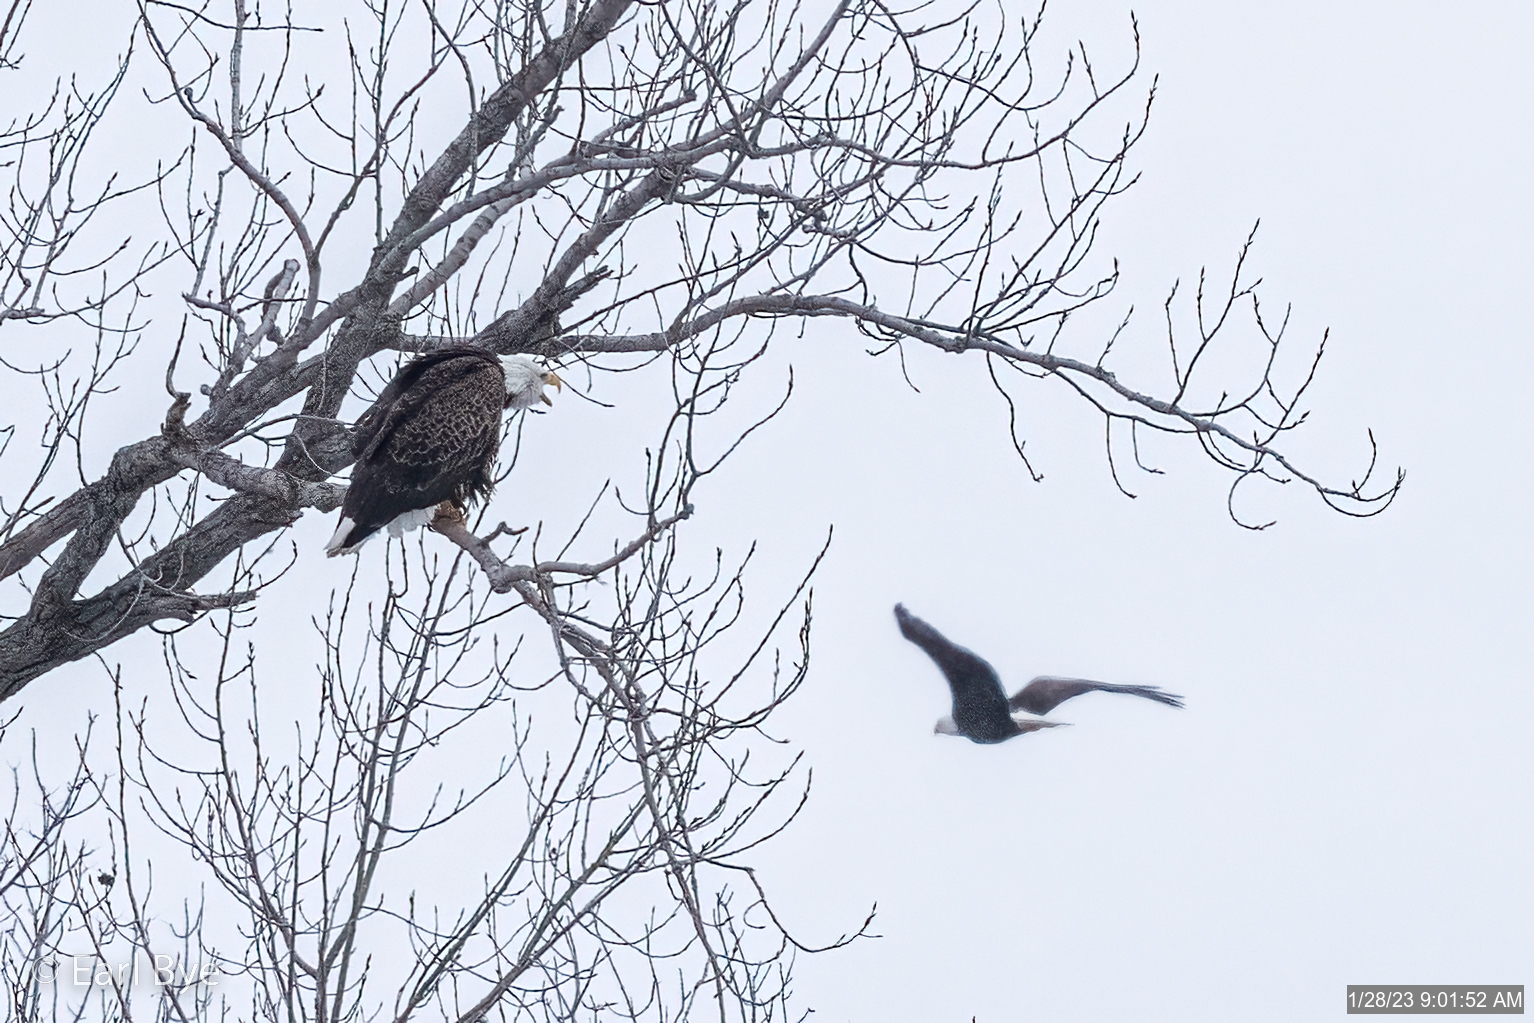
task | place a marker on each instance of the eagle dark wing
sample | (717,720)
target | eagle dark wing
(431,437)
(404,395)
(1046,692)
(979,701)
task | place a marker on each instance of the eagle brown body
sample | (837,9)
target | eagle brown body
(432,436)
(982,711)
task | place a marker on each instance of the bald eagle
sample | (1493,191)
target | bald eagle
(981,710)
(431,437)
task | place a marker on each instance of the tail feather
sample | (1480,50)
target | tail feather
(1026,725)
(347,538)
(349,535)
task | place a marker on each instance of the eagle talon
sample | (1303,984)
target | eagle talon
(448,514)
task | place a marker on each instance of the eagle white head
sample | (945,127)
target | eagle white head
(525,381)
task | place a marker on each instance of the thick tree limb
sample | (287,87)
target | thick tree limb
(786,172)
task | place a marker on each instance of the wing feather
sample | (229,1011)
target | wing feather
(404,394)
(979,702)
(430,437)
(1047,692)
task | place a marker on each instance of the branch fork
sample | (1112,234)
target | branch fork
(504,577)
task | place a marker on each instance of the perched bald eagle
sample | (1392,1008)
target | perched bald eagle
(981,710)
(431,437)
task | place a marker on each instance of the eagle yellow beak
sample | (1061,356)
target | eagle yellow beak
(551,378)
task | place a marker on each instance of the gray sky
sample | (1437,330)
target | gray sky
(1346,798)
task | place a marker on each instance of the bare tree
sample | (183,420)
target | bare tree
(923,182)
(614,187)
(599,848)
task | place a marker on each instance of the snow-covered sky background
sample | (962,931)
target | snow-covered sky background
(1347,797)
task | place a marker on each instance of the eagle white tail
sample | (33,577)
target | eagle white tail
(398,527)
(336,544)
(1028,724)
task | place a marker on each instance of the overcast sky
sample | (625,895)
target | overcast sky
(1346,798)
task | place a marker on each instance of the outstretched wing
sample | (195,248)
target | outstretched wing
(1047,692)
(979,702)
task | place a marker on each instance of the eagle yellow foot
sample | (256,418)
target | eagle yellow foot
(448,514)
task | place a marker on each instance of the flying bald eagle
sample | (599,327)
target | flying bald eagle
(431,437)
(981,710)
